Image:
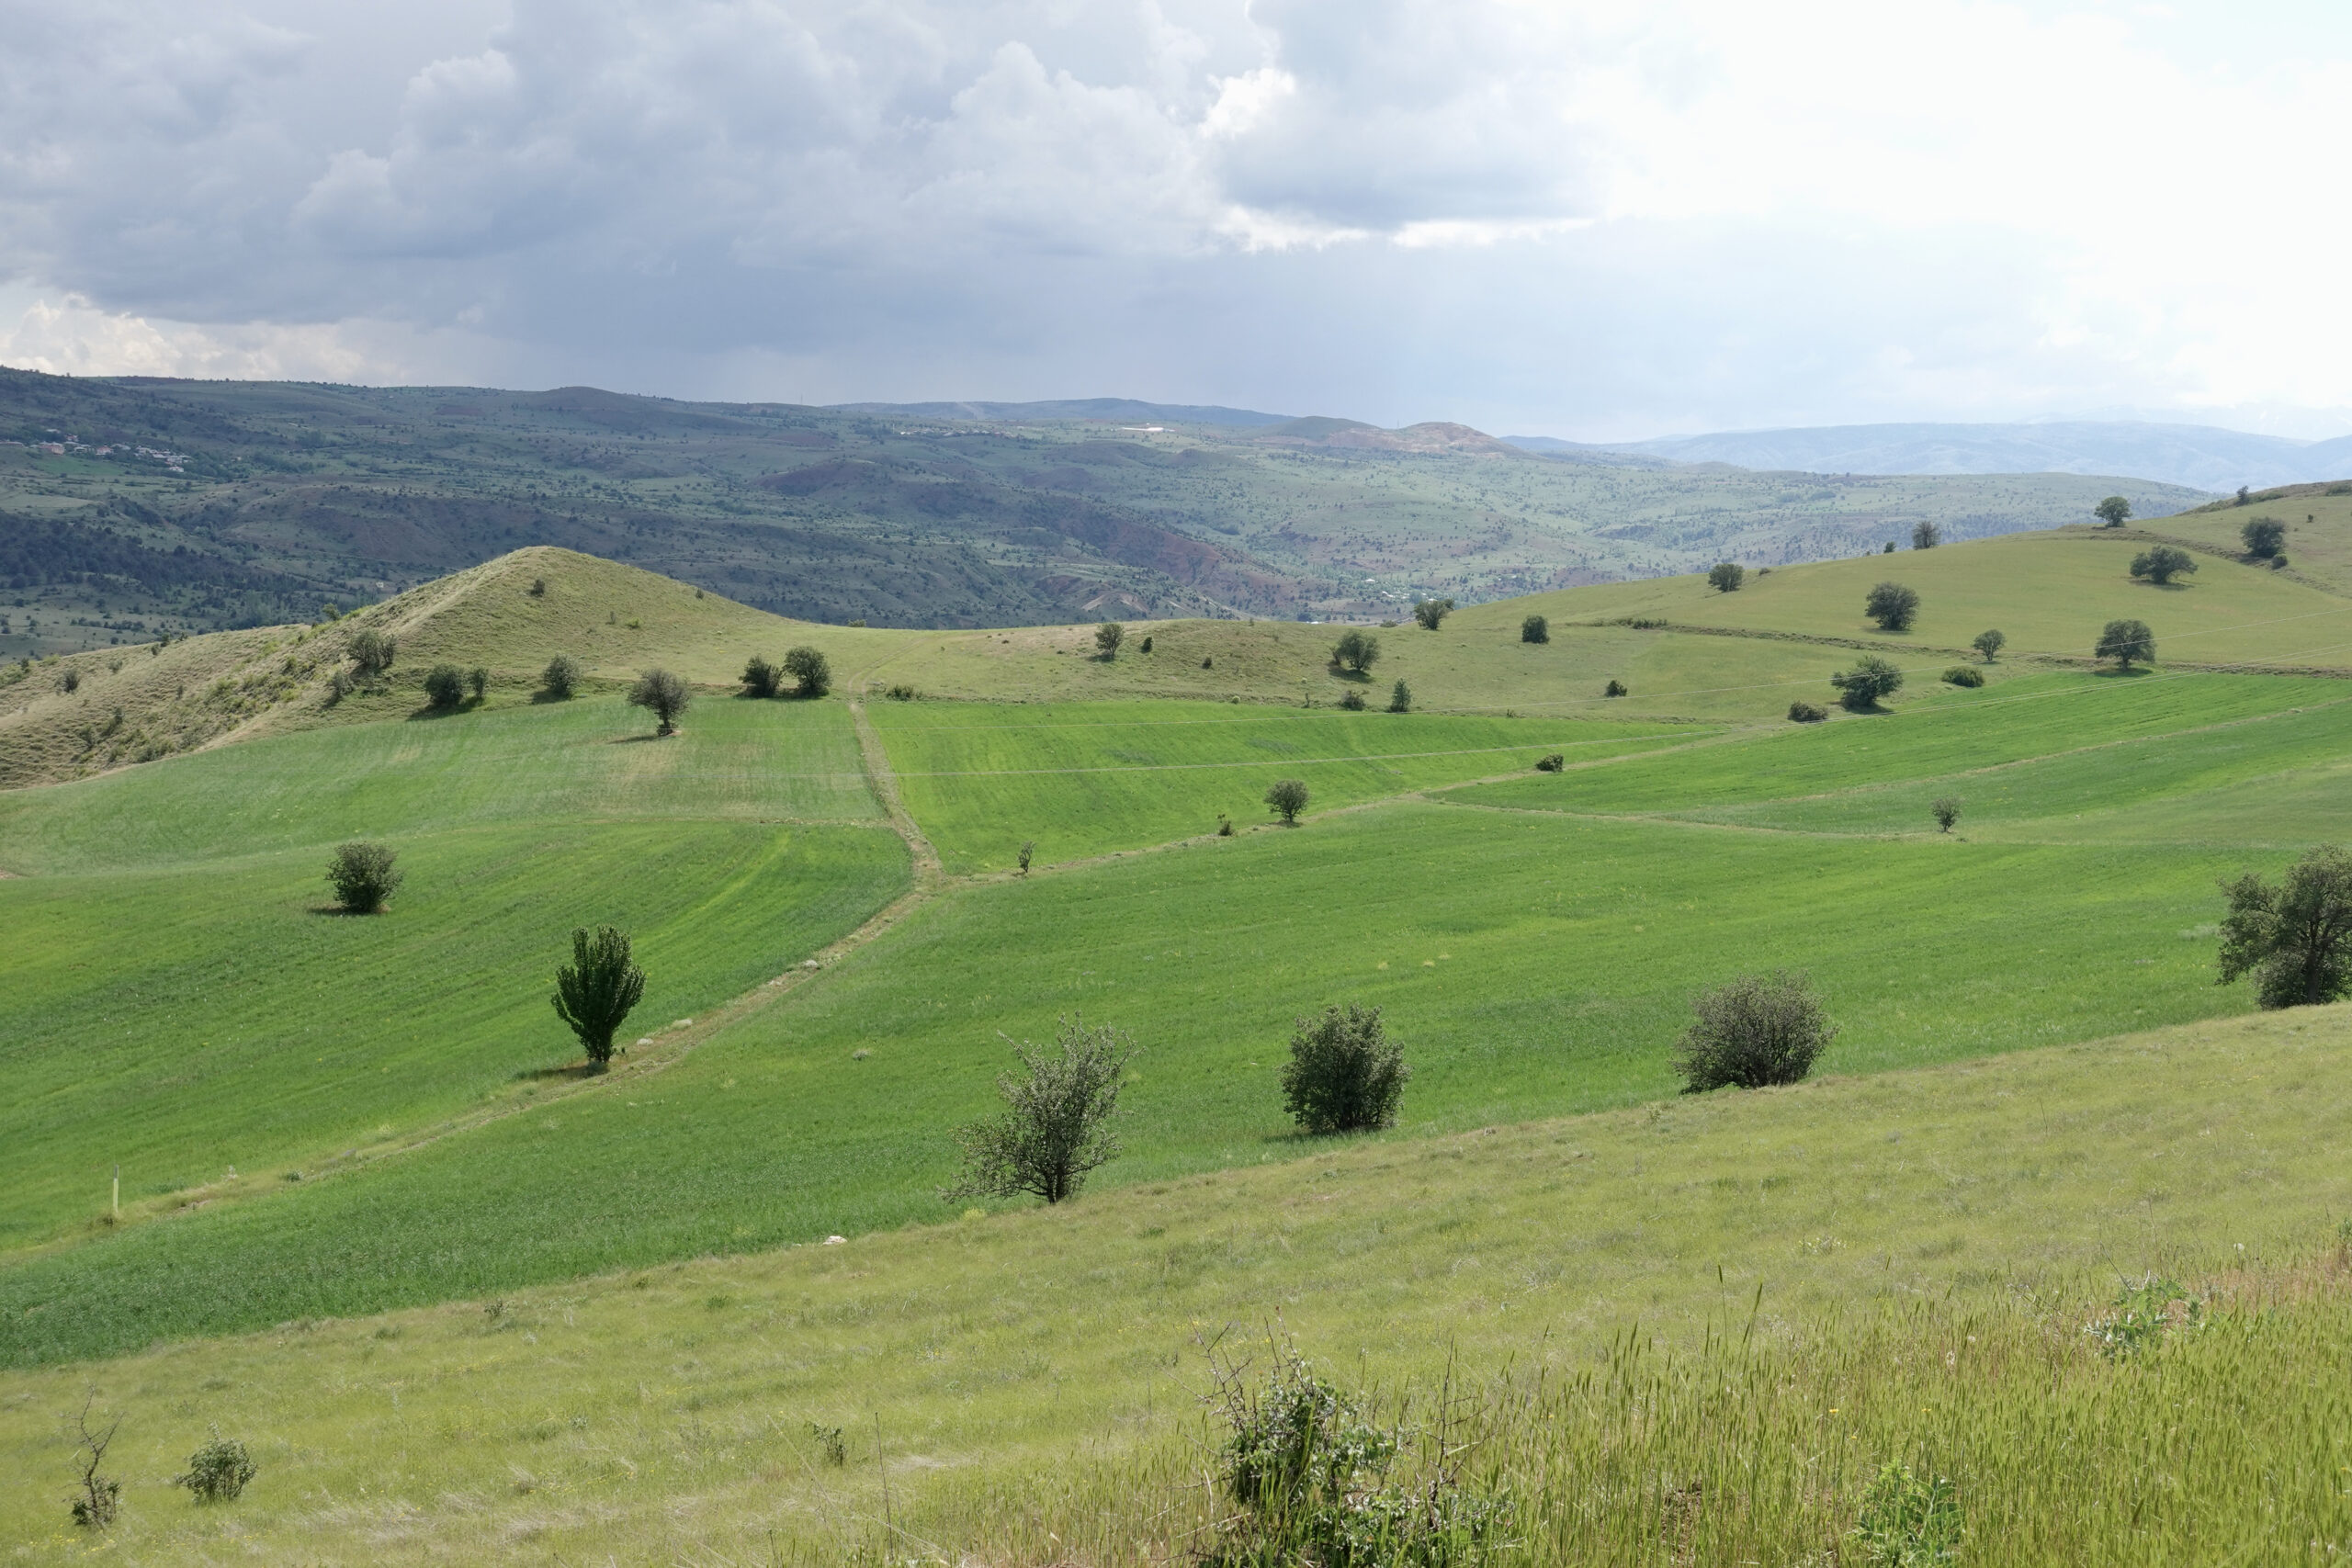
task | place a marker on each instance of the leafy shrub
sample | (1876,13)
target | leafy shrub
(1726,577)
(2278,562)
(371,652)
(1808,713)
(1535,628)
(1356,651)
(2263,537)
(363,876)
(1145,647)
(1551,764)
(1616,688)
(1344,1073)
(902,693)
(2125,641)
(831,1447)
(1107,639)
(812,674)
(1224,825)
(1758,1029)
(1430,612)
(1945,808)
(1353,700)
(1892,606)
(561,677)
(1871,679)
(665,694)
(1289,798)
(70,682)
(1989,643)
(1055,1126)
(219,1471)
(445,685)
(1028,852)
(1925,535)
(762,678)
(478,683)
(539,588)
(1400,698)
(2161,563)
(1907,1520)
(595,991)
(1965,675)
(2294,939)
(2143,1316)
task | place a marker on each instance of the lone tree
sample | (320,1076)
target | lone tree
(1430,612)
(478,683)
(2125,641)
(594,992)
(1726,576)
(445,685)
(363,876)
(1988,644)
(1344,1073)
(663,693)
(1758,1030)
(1356,651)
(1400,698)
(1892,606)
(2115,511)
(1535,628)
(1107,639)
(561,677)
(1946,809)
(2264,536)
(762,678)
(811,675)
(1925,535)
(2161,564)
(1287,797)
(1871,679)
(371,652)
(1055,1127)
(2296,940)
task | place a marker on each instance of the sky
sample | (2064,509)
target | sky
(1600,220)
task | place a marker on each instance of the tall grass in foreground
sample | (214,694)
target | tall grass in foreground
(2168,1427)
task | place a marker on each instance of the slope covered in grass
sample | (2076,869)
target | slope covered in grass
(2318,530)
(1031,1378)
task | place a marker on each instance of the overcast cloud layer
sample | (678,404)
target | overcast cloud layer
(1600,220)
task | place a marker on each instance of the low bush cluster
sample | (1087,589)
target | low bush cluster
(1756,1030)
(1344,1075)
(1551,764)
(1965,675)
(1806,713)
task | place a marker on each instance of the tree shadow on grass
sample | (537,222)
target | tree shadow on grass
(2131,673)
(569,1072)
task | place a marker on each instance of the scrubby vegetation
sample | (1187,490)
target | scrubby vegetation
(1754,1032)
(1871,681)
(1344,1073)
(363,876)
(1055,1129)
(1892,606)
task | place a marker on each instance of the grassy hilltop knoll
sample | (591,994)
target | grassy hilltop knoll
(378,1222)
(135,506)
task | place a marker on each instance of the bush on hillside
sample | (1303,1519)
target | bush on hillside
(595,991)
(1806,713)
(561,677)
(1616,688)
(101,1495)
(2264,536)
(1288,798)
(539,588)
(2295,939)
(1726,577)
(371,652)
(1353,700)
(1344,1075)
(1028,852)
(1892,606)
(1430,612)
(363,876)
(1871,679)
(1107,639)
(1356,651)
(1535,628)
(1965,675)
(219,1471)
(1907,1520)
(478,683)
(2161,564)
(1400,698)
(1925,535)
(899,692)
(665,694)
(70,682)
(1551,764)
(812,675)
(445,685)
(1054,1128)
(1758,1030)
(1144,646)
(2115,511)
(762,678)
(1988,644)
(2126,641)
(1945,808)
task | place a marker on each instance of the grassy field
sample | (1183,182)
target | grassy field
(2318,530)
(1084,778)
(1918,1254)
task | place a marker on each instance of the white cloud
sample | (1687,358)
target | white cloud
(1609,217)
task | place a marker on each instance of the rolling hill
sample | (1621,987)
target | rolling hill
(456,1290)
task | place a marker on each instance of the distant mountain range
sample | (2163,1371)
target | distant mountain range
(2201,456)
(1072,408)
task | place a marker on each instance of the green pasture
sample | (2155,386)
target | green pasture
(1084,778)
(1533,963)
(2318,530)
(2050,592)
(590,757)
(1767,1294)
